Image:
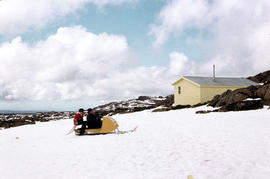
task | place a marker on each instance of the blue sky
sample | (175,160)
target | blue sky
(131,20)
(61,55)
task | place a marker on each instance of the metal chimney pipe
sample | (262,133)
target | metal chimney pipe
(214,72)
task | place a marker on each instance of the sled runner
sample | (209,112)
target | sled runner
(109,125)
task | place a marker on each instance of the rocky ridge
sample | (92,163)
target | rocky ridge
(12,120)
(133,105)
(263,78)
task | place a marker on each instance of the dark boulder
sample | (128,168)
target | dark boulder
(231,97)
(199,104)
(242,106)
(180,107)
(168,102)
(143,98)
(236,100)
(205,111)
(136,109)
(264,92)
(261,77)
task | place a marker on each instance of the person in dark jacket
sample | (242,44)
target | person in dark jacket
(93,121)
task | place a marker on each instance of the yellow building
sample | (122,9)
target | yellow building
(190,90)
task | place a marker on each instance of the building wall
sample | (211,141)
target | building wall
(190,93)
(208,92)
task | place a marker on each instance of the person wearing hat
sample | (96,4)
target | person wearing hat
(93,121)
(78,119)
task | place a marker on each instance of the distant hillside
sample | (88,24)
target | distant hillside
(134,105)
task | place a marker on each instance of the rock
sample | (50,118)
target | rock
(180,107)
(266,102)
(231,97)
(242,105)
(261,77)
(168,102)
(143,98)
(199,104)
(13,120)
(203,111)
(220,100)
(28,118)
(236,100)
(264,92)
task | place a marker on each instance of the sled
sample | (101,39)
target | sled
(109,125)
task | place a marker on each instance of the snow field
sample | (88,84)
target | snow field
(174,144)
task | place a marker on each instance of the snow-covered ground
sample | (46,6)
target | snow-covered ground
(174,144)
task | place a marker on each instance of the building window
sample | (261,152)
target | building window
(179,89)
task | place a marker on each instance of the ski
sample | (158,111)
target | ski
(127,131)
(71,130)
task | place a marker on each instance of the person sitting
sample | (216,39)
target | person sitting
(93,121)
(78,120)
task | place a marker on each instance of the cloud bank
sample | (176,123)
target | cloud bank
(235,35)
(62,66)
(75,64)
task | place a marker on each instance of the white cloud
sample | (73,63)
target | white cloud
(238,32)
(131,83)
(180,64)
(176,16)
(17,16)
(62,66)
(74,64)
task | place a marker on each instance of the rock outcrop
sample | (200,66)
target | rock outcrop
(250,98)
(261,77)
